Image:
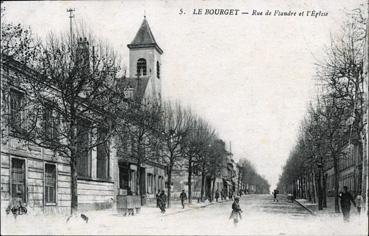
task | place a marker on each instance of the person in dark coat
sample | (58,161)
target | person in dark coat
(346,199)
(163,201)
(236,211)
(216,195)
(183,198)
(157,198)
(275,192)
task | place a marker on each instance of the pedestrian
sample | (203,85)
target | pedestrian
(358,202)
(275,192)
(163,201)
(183,198)
(216,195)
(236,211)
(157,198)
(346,199)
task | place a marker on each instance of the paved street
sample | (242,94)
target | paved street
(261,216)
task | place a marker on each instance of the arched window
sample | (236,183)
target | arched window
(141,67)
(157,69)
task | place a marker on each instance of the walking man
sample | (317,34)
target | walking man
(346,199)
(183,198)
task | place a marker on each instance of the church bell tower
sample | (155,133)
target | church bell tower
(145,61)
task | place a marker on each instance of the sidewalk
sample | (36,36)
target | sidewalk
(329,210)
(100,221)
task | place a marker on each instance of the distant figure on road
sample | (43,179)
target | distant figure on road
(346,199)
(358,200)
(163,201)
(157,198)
(183,198)
(216,195)
(236,211)
(275,192)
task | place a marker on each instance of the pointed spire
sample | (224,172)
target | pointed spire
(144,38)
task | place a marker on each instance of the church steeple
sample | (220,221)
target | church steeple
(144,38)
(145,63)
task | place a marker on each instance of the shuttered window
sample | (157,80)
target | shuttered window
(102,155)
(141,67)
(16,109)
(18,180)
(83,152)
(50,183)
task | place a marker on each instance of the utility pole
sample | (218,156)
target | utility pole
(71,15)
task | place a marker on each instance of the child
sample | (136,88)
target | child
(236,211)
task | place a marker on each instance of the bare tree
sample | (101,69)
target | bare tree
(175,126)
(66,103)
(138,127)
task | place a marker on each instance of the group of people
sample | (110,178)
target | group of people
(161,199)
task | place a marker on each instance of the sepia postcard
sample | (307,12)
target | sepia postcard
(207,117)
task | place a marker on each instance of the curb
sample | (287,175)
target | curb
(310,211)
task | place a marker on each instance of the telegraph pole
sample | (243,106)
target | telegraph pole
(71,15)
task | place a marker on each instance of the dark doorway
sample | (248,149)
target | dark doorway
(123,175)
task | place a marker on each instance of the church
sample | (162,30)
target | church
(41,180)
(143,85)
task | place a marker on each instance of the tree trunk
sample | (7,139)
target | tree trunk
(336,184)
(324,191)
(189,179)
(202,181)
(309,187)
(320,192)
(212,190)
(138,181)
(314,187)
(169,182)
(360,157)
(74,193)
(73,162)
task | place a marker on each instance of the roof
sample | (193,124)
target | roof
(144,38)
(137,84)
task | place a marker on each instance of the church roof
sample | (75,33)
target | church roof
(138,85)
(144,38)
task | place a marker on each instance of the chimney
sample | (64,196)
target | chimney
(83,54)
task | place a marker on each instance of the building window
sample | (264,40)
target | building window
(160,187)
(18,180)
(83,153)
(16,109)
(150,183)
(102,155)
(50,183)
(51,122)
(158,70)
(141,67)
(132,178)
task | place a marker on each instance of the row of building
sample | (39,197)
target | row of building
(41,179)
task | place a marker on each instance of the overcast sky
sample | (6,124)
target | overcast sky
(251,77)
